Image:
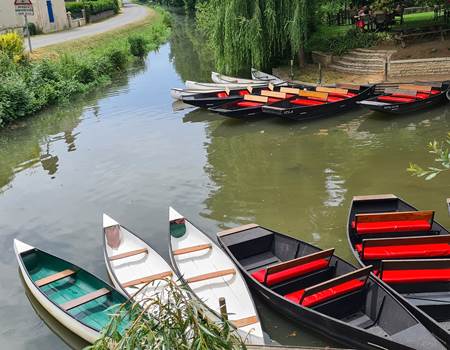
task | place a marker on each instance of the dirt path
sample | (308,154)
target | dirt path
(130,13)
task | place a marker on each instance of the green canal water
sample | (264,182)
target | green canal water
(124,151)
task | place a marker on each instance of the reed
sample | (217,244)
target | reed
(168,319)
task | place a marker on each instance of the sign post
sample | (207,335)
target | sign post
(25,8)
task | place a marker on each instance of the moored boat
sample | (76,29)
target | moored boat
(262,76)
(409,250)
(194,85)
(212,99)
(178,93)
(408,98)
(80,301)
(323,292)
(211,274)
(225,79)
(323,102)
(131,263)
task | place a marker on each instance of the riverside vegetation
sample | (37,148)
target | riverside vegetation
(29,85)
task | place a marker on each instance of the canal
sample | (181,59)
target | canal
(125,152)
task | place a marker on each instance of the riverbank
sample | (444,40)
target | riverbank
(56,73)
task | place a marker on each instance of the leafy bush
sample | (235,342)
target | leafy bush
(12,45)
(75,8)
(340,44)
(138,46)
(117,58)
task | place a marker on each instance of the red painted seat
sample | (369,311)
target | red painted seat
(293,272)
(416,276)
(324,295)
(430,250)
(305,102)
(391,226)
(247,104)
(334,99)
(347,95)
(222,94)
(395,99)
(435,92)
(244,92)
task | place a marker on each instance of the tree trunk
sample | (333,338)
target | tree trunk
(301,57)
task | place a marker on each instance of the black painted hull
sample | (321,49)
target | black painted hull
(321,111)
(422,315)
(403,108)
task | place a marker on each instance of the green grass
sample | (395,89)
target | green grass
(417,20)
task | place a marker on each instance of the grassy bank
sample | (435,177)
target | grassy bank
(56,73)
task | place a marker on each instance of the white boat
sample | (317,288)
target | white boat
(80,301)
(225,79)
(132,263)
(266,77)
(193,85)
(178,94)
(211,274)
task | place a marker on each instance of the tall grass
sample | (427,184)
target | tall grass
(168,319)
(57,73)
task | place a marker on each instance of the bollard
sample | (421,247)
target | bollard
(292,70)
(223,308)
(320,74)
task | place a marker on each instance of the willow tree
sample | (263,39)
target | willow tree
(254,32)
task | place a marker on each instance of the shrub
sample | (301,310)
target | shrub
(138,45)
(15,99)
(12,45)
(117,58)
(75,8)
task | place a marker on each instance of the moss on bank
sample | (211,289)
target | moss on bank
(57,73)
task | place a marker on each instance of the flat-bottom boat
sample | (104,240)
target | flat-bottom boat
(77,299)
(323,292)
(210,274)
(408,98)
(409,250)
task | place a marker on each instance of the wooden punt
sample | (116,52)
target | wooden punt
(132,263)
(211,274)
(324,292)
(225,79)
(408,98)
(80,301)
(409,250)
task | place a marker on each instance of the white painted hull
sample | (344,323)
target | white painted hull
(178,94)
(133,267)
(225,79)
(193,85)
(67,321)
(261,76)
(232,287)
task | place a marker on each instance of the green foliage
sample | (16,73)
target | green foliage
(75,7)
(11,44)
(343,42)
(28,87)
(441,150)
(137,45)
(244,33)
(92,7)
(169,319)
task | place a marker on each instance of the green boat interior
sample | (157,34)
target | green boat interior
(80,294)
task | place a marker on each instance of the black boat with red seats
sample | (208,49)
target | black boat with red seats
(409,250)
(409,98)
(323,102)
(325,293)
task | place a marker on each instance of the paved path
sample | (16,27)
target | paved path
(130,13)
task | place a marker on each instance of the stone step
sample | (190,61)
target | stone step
(352,70)
(352,63)
(368,54)
(364,60)
(384,52)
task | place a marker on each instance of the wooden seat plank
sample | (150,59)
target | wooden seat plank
(128,254)
(192,249)
(211,275)
(423,88)
(348,86)
(147,279)
(85,299)
(237,229)
(246,321)
(274,94)
(395,216)
(314,94)
(55,277)
(289,90)
(256,98)
(374,197)
(339,91)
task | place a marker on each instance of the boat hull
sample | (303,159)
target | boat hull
(88,334)
(325,110)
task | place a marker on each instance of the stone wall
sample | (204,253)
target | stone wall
(101,16)
(403,68)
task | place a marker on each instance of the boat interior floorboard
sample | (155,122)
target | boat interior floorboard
(359,319)
(258,261)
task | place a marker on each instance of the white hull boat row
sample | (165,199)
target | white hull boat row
(211,275)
